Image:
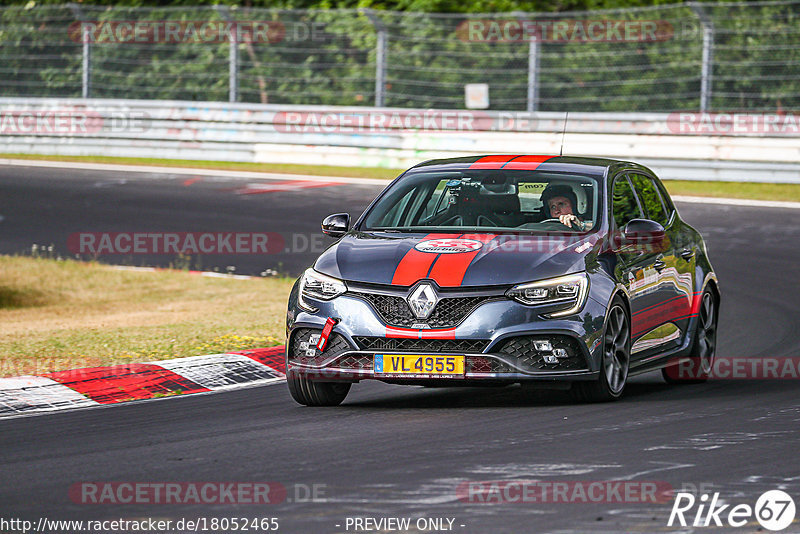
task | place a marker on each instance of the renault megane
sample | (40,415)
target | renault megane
(505,269)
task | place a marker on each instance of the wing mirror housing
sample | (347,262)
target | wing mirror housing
(644,235)
(336,225)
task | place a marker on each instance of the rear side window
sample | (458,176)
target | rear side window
(623,202)
(651,199)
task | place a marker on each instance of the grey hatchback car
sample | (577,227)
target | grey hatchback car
(505,269)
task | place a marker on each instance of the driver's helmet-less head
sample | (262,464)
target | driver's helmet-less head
(553,191)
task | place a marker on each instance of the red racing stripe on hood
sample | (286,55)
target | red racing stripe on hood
(449,269)
(415,264)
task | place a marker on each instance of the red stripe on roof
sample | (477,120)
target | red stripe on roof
(526,163)
(492,162)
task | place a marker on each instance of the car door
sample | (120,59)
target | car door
(684,248)
(673,290)
(635,268)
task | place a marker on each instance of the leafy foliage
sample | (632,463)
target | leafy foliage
(328,55)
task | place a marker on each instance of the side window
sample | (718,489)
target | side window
(665,197)
(651,198)
(434,202)
(623,202)
(392,217)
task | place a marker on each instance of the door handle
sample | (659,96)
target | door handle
(687,254)
(659,265)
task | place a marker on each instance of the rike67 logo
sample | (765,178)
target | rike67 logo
(774,510)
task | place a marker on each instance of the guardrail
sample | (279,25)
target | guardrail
(690,146)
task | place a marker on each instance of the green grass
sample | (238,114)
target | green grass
(757,191)
(64,314)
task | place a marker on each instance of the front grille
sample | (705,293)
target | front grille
(449,311)
(421,345)
(527,357)
(482,364)
(357,361)
(336,345)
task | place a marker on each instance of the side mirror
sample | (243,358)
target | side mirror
(336,225)
(644,234)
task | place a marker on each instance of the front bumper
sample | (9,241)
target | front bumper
(496,340)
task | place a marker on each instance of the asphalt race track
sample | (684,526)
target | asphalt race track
(397,451)
(44,207)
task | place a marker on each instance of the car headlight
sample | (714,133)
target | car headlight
(571,290)
(318,286)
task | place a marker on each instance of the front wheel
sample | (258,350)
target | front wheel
(615,362)
(311,393)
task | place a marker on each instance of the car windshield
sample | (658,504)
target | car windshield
(488,200)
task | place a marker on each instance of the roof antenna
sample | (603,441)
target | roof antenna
(563,134)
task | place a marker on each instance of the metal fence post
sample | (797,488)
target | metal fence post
(86,59)
(533,75)
(86,77)
(233,67)
(233,55)
(707,69)
(532,100)
(380,58)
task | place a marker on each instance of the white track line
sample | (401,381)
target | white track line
(209,274)
(343,179)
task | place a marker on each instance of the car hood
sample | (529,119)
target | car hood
(489,259)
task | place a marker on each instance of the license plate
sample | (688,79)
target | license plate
(422,365)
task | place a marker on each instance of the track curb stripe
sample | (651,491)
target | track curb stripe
(95,386)
(35,394)
(109,385)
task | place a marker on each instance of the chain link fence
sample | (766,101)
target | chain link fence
(711,57)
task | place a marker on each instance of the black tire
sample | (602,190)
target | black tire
(616,358)
(311,393)
(704,345)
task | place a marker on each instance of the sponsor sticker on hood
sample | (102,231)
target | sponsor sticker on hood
(448,246)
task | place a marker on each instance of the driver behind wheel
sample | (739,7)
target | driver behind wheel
(559,202)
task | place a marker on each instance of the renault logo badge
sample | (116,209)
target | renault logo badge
(422,301)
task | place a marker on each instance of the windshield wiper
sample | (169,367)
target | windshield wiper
(396,229)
